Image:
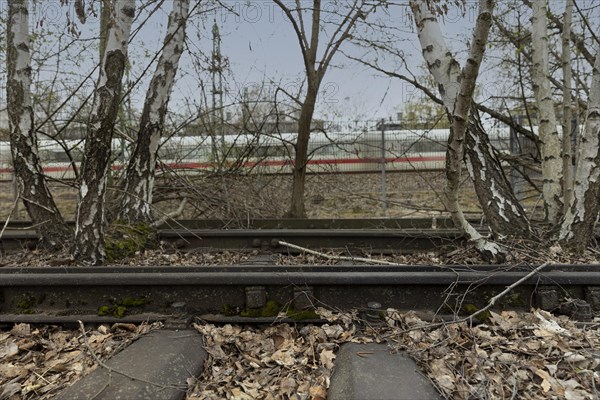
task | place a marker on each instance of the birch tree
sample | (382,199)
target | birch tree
(578,225)
(456,87)
(309,38)
(33,189)
(504,213)
(89,229)
(567,152)
(139,179)
(547,125)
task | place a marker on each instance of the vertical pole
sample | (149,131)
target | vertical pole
(514,174)
(214,67)
(383,180)
(15,194)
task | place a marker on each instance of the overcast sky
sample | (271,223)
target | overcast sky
(261,46)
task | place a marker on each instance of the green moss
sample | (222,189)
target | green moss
(120,312)
(250,313)
(120,307)
(132,302)
(25,303)
(103,310)
(271,309)
(515,300)
(301,315)
(229,311)
(123,240)
(472,309)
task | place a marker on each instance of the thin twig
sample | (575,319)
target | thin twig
(14,207)
(490,304)
(331,257)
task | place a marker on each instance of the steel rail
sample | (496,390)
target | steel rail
(383,236)
(55,294)
(292,275)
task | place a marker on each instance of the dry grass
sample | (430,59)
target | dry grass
(409,194)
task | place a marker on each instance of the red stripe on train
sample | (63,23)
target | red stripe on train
(274,163)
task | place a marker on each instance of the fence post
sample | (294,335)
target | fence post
(514,172)
(15,188)
(383,180)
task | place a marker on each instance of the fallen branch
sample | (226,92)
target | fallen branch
(332,257)
(490,304)
(172,215)
(497,297)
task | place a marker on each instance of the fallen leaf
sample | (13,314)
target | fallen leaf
(9,349)
(21,330)
(10,389)
(327,357)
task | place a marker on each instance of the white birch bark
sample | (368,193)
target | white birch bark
(456,88)
(567,151)
(89,246)
(137,197)
(33,190)
(503,212)
(547,125)
(578,225)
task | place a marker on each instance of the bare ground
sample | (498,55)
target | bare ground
(408,194)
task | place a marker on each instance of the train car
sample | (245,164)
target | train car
(363,150)
(5,162)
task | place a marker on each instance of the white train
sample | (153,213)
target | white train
(403,150)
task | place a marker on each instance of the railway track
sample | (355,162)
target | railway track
(382,236)
(259,293)
(259,288)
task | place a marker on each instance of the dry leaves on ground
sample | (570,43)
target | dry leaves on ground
(156,257)
(514,355)
(276,362)
(37,362)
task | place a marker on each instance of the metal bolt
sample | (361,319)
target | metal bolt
(583,312)
(592,296)
(372,312)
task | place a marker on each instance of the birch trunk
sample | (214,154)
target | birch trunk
(89,246)
(33,190)
(456,87)
(548,133)
(502,210)
(567,151)
(136,201)
(578,225)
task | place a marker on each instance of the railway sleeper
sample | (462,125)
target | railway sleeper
(178,305)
